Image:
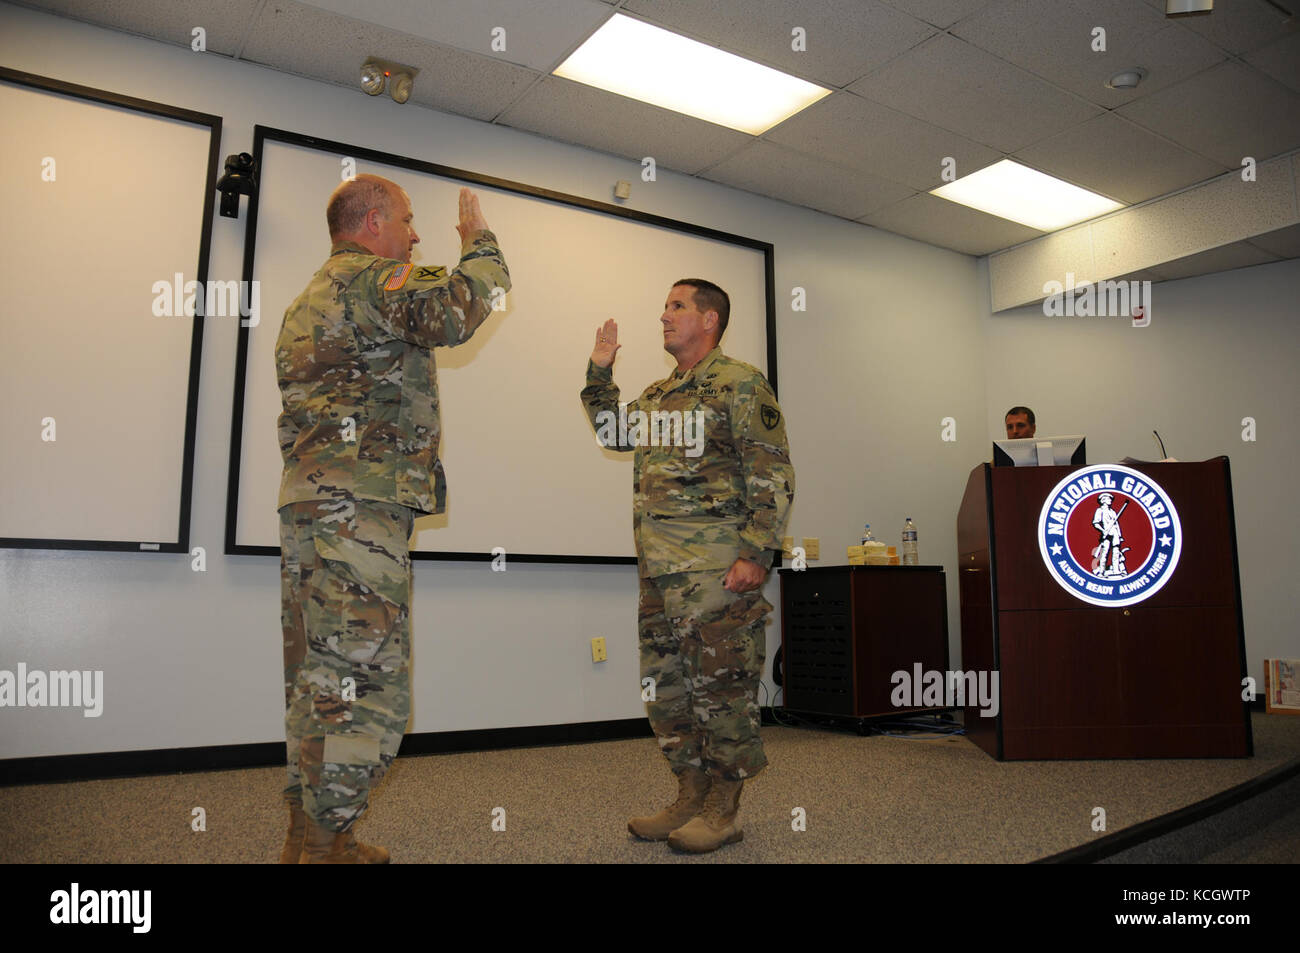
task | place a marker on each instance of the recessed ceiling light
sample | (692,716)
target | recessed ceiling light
(635,59)
(1010,190)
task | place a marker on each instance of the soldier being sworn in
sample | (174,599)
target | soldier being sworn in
(707,525)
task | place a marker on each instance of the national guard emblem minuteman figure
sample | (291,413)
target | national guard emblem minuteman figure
(1106,521)
(712,489)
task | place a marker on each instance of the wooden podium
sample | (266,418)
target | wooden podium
(1158,679)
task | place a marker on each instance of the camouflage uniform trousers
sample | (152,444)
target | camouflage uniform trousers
(345,580)
(704,647)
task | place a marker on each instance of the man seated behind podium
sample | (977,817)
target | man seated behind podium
(1020,423)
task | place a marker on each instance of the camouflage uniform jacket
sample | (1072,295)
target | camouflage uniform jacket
(357,374)
(701,512)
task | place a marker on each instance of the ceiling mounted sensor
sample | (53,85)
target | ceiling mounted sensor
(1188,8)
(1127,78)
(378,74)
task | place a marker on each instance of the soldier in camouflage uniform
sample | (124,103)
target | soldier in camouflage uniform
(712,492)
(359,435)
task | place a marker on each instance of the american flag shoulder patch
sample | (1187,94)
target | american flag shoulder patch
(398,278)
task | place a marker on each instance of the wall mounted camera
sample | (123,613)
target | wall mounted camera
(240,179)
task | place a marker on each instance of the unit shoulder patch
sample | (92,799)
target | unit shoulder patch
(410,277)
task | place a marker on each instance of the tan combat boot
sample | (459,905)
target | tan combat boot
(324,846)
(692,789)
(717,824)
(297,831)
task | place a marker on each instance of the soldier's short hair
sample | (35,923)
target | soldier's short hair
(1022,410)
(709,297)
(351,201)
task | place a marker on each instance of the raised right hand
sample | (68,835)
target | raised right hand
(471,218)
(606,344)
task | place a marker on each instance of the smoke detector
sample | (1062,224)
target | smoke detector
(1127,78)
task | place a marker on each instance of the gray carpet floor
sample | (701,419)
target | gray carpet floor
(1262,830)
(866,800)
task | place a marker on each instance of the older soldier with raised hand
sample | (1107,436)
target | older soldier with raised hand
(707,522)
(359,435)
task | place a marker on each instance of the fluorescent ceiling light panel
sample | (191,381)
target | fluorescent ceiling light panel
(1010,190)
(641,61)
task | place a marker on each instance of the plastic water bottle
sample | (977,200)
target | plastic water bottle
(866,534)
(910,556)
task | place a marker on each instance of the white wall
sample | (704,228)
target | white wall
(898,336)
(1219,348)
(892,342)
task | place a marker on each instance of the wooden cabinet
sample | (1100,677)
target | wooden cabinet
(847,629)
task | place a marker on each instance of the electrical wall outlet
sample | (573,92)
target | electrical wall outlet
(598,650)
(812,547)
(787,547)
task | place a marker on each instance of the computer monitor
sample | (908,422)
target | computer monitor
(1040,452)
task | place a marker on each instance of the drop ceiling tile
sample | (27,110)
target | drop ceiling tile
(574,112)
(1280,59)
(1225,113)
(950,83)
(865,135)
(1284,242)
(782,173)
(1239,25)
(1054,39)
(225,22)
(1223,258)
(1118,159)
(301,39)
(949,225)
(536,34)
(845,38)
(940,13)
(1221,212)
